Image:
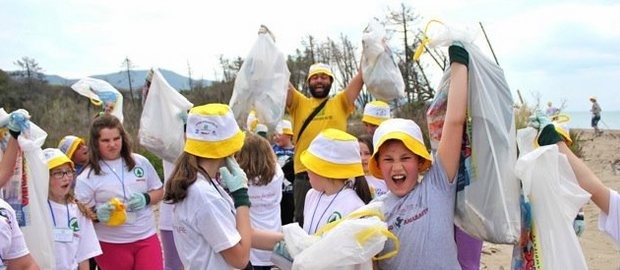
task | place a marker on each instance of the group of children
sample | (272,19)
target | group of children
(223,193)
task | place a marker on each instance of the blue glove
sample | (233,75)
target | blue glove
(138,201)
(233,177)
(104,211)
(236,181)
(579,225)
(538,120)
(280,255)
(18,121)
(547,134)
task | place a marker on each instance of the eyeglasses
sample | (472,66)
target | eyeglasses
(61,174)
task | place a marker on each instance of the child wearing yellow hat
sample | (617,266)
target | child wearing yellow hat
(375,112)
(209,191)
(421,212)
(75,240)
(334,169)
(75,148)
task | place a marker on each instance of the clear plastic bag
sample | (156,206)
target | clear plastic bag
(555,197)
(348,243)
(381,74)
(261,84)
(101,93)
(487,205)
(37,229)
(161,124)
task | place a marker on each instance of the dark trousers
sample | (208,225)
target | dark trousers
(300,188)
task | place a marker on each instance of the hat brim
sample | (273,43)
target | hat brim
(412,144)
(59,160)
(328,169)
(372,120)
(217,149)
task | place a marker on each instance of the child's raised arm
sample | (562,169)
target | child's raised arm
(452,134)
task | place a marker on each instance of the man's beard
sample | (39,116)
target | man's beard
(324,94)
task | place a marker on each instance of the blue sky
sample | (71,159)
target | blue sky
(560,51)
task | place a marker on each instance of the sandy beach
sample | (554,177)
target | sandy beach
(600,154)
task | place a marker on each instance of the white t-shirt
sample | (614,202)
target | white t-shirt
(165,209)
(320,209)
(376,185)
(205,225)
(116,181)
(12,243)
(611,223)
(82,246)
(265,213)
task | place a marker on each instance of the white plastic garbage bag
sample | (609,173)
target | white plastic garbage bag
(381,73)
(101,93)
(161,124)
(261,84)
(551,188)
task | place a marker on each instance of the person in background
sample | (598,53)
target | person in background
(14,254)
(377,186)
(265,179)
(333,162)
(75,148)
(552,111)
(596,116)
(334,115)
(115,172)
(75,241)
(261,130)
(420,212)
(209,192)
(284,150)
(375,112)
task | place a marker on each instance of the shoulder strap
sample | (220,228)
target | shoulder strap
(310,117)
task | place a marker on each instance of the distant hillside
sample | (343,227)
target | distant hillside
(121,82)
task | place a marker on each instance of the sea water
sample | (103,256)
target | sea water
(581,119)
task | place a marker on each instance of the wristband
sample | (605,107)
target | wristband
(14,134)
(549,136)
(147,198)
(458,54)
(240,197)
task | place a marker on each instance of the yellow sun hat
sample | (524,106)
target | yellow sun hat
(406,131)
(69,144)
(212,132)
(376,112)
(319,68)
(285,127)
(54,158)
(333,154)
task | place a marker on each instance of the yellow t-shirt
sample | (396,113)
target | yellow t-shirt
(334,115)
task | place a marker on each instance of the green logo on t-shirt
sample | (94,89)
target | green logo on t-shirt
(138,171)
(73,224)
(334,216)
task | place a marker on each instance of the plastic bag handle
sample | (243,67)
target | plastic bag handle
(95,102)
(354,215)
(425,41)
(363,236)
